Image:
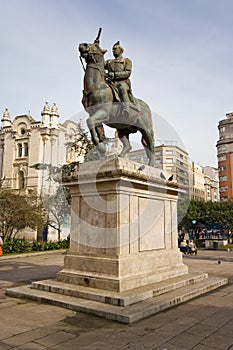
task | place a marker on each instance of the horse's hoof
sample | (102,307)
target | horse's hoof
(101,148)
(125,152)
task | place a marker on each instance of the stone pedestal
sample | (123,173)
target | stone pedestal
(123,227)
(123,262)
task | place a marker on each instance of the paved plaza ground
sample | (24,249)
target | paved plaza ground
(205,323)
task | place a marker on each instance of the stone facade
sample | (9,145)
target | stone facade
(211,183)
(25,142)
(198,192)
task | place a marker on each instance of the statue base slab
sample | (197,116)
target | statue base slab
(125,307)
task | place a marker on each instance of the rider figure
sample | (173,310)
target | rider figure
(118,73)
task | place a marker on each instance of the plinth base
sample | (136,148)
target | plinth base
(119,274)
(125,307)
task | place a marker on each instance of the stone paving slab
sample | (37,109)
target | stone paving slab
(206,254)
(210,312)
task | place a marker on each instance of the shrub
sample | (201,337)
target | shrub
(17,245)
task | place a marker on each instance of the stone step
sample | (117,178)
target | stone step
(115,298)
(127,314)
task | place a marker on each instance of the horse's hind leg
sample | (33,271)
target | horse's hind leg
(148,144)
(124,138)
(100,132)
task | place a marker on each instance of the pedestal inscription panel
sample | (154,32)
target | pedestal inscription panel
(151,226)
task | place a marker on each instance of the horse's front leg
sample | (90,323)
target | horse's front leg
(101,146)
(94,123)
(97,139)
(124,138)
(94,135)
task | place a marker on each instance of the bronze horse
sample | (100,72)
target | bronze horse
(98,100)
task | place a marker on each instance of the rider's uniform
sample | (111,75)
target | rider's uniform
(122,68)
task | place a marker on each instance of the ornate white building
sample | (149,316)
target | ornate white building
(211,184)
(25,142)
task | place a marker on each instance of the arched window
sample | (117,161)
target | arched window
(21,180)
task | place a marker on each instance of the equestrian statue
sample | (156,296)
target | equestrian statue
(108,99)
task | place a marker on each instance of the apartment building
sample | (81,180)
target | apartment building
(172,160)
(225,157)
(211,183)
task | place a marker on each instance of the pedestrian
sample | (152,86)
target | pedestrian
(192,247)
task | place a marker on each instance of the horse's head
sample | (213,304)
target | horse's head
(91,52)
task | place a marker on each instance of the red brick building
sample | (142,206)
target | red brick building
(225,157)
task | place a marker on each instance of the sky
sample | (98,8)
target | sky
(182,54)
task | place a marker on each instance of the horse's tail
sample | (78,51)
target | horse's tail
(146,111)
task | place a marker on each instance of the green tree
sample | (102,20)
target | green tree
(83,145)
(18,212)
(195,212)
(57,208)
(209,213)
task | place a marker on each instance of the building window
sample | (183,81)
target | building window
(222,129)
(223,168)
(169,152)
(25,149)
(20,150)
(158,153)
(22,131)
(221,149)
(21,179)
(223,189)
(222,158)
(223,178)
